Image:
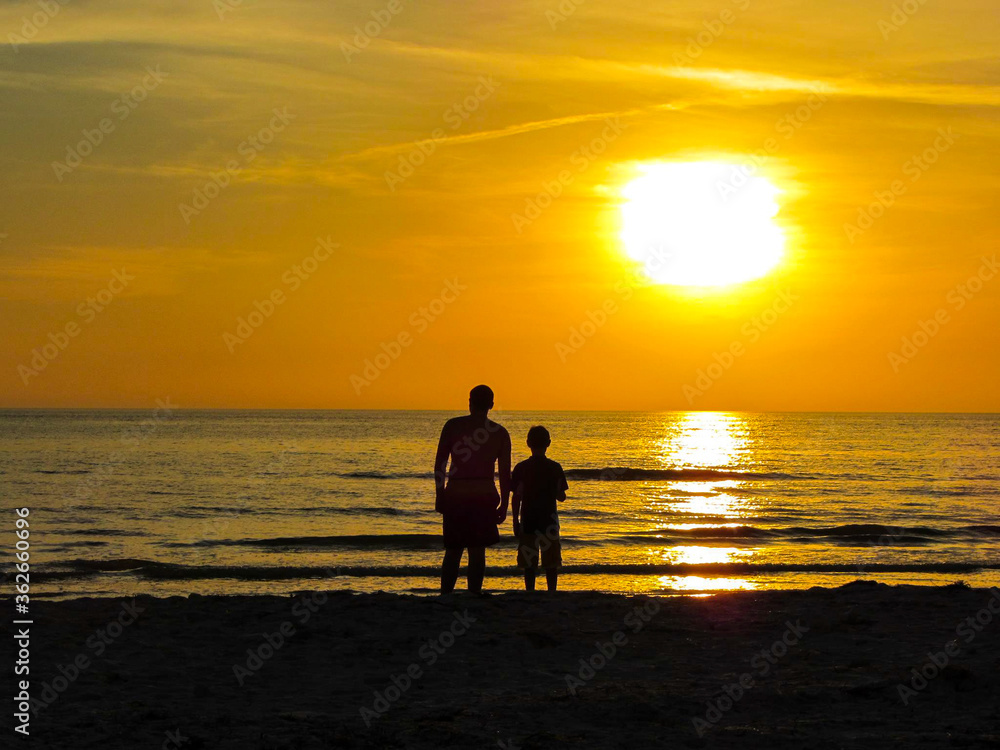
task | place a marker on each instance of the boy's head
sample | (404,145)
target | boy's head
(538,440)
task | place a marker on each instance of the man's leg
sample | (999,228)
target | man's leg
(529,578)
(449,569)
(477,568)
(551,577)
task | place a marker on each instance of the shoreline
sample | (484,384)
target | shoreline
(344,669)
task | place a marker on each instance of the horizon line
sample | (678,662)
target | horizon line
(493,411)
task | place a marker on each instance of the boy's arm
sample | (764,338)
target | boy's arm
(561,497)
(516,509)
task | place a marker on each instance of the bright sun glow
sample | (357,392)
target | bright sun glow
(689,224)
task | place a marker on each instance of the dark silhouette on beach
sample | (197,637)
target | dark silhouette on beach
(538,483)
(469,503)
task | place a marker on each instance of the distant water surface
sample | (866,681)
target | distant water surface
(678,502)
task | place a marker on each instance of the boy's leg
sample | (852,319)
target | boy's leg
(449,569)
(552,558)
(527,558)
(551,577)
(477,569)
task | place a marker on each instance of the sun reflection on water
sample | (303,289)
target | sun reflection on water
(697,583)
(710,498)
(706,441)
(694,555)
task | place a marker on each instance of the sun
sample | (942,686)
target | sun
(701,223)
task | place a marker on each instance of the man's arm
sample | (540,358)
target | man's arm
(441,468)
(503,467)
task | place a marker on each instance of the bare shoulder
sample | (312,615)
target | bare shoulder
(498,429)
(452,426)
(456,422)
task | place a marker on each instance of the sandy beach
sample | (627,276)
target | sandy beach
(828,667)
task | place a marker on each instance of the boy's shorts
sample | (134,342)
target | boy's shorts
(530,544)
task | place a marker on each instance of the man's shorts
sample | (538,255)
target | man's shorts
(529,546)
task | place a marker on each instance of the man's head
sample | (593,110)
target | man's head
(538,440)
(480,399)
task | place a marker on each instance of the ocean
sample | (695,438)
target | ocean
(238,502)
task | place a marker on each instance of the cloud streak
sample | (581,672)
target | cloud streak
(508,131)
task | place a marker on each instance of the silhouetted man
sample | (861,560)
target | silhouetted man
(469,502)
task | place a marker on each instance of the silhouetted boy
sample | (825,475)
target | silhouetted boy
(538,483)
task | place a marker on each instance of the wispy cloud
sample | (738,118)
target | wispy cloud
(509,130)
(562,67)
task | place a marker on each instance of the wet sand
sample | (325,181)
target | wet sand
(821,667)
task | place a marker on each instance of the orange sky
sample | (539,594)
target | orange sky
(304,125)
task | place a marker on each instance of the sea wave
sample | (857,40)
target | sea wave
(95,532)
(849,534)
(609,474)
(222,512)
(630,474)
(986,530)
(869,534)
(382,474)
(355,541)
(149,569)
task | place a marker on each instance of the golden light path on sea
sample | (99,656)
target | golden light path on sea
(704,440)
